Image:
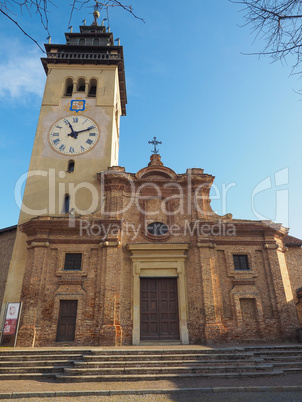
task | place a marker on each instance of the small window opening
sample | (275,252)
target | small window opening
(241,262)
(66,204)
(70,167)
(157,228)
(92,91)
(92,88)
(68,87)
(73,261)
(81,85)
(96,42)
(82,41)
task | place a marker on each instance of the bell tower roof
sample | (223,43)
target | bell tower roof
(92,45)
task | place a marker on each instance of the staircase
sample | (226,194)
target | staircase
(37,363)
(135,364)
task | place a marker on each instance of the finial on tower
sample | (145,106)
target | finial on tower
(96,15)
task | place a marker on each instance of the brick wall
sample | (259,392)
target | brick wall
(7,240)
(223,304)
(294,264)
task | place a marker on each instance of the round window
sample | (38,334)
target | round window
(157,228)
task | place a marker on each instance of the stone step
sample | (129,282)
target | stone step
(40,357)
(273,347)
(161,356)
(207,351)
(37,351)
(36,363)
(163,370)
(166,363)
(294,370)
(161,376)
(281,358)
(278,353)
(28,376)
(162,351)
(21,370)
(285,365)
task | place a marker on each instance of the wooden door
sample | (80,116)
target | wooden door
(159,309)
(67,320)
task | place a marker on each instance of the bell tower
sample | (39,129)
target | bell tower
(78,127)
(77,133)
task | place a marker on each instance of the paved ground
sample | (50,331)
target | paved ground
(274,390)
(190,397)
(49,385)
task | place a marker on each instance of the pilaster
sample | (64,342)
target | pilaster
(214,330)
(111,331)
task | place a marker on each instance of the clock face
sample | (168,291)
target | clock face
(74,135)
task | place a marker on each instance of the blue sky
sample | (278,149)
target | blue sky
(189,84)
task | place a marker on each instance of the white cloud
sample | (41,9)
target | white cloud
(21,72)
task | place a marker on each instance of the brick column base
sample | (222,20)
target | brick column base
(26,336)
(215,332)
(111,335)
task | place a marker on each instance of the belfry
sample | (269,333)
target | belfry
(106,257)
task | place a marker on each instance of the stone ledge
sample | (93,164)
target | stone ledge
(39,394)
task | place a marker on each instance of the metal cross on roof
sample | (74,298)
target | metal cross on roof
(155,142)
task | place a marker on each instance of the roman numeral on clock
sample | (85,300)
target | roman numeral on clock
(89,142)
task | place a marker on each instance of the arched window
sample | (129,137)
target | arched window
(82,41)
(66,205)
(92,87)
(68,87)
(96,42)
(81,85)
(70,167)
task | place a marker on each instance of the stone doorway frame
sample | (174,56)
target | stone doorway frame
(159,260)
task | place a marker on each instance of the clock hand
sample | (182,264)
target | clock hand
(73,133)
(70,126)
(81,131)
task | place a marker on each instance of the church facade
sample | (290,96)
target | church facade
(107,257)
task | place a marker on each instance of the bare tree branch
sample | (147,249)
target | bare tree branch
(116,3)
(11,9)
(278,24)
(15,22)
